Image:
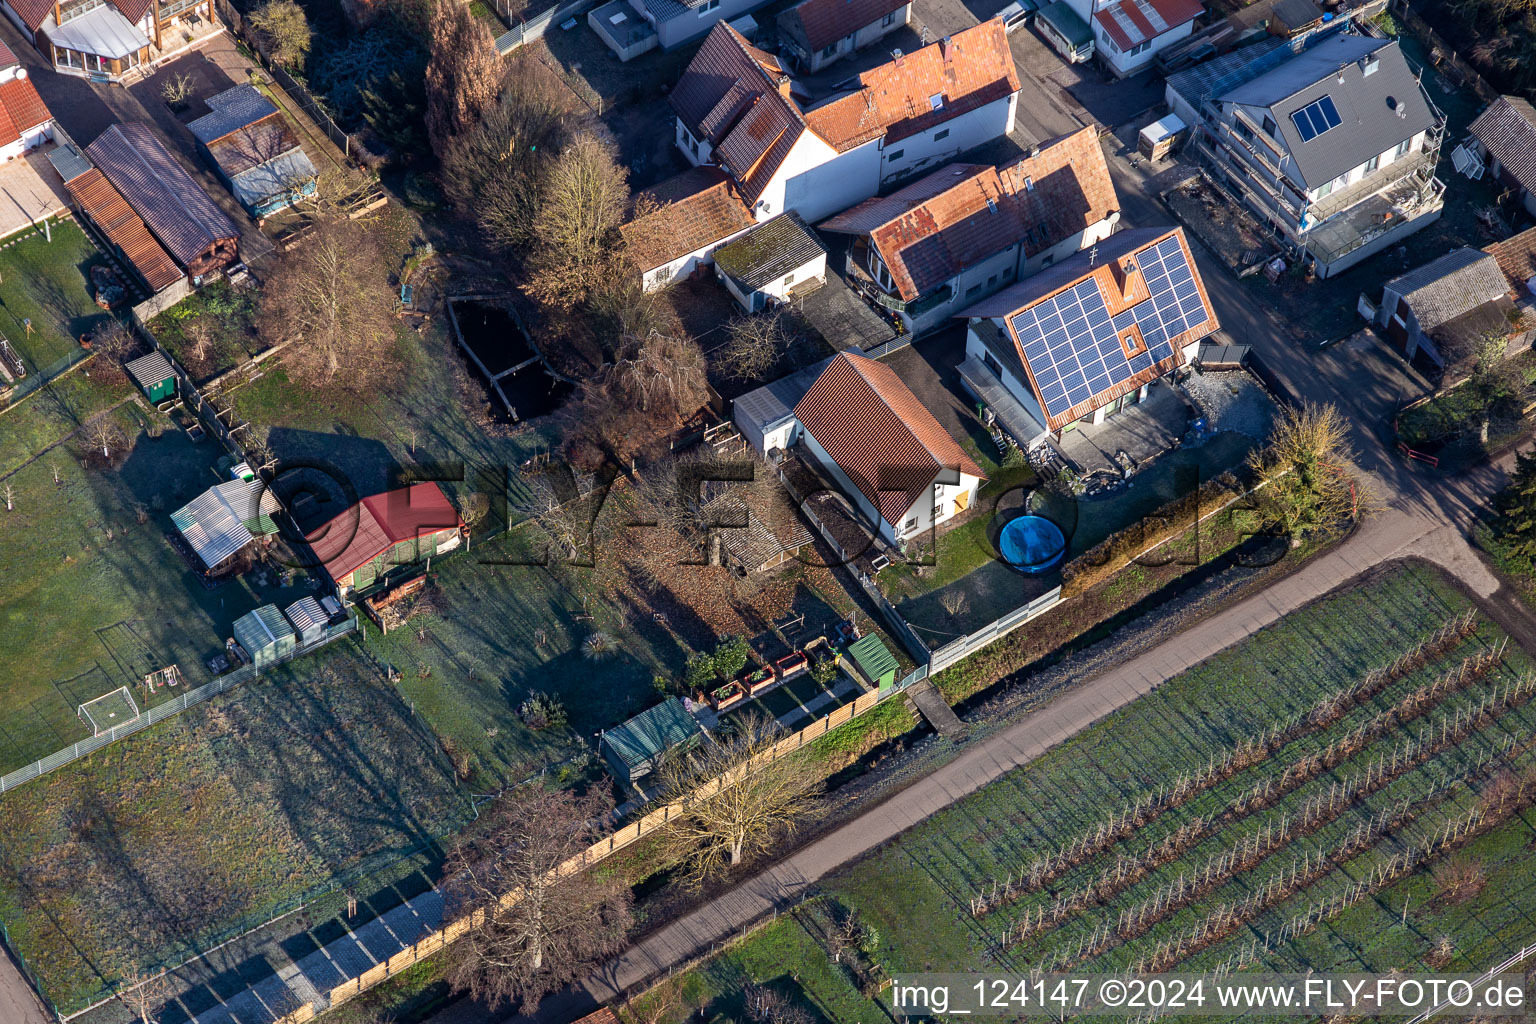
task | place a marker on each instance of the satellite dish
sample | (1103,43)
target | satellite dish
(21,72)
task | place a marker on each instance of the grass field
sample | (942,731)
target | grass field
(96,597)
(919,891)
(48,282)
(167,841)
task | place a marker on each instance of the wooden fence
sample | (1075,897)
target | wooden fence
(624,837)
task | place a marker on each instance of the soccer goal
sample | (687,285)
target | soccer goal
(108,710)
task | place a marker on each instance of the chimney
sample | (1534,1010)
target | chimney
(1127,276)
(784,86)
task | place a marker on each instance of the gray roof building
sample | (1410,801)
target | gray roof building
(231,109)
(1507,130)
(768,252)
(1444,289)
(225,518)
(1369,98)
(178,212)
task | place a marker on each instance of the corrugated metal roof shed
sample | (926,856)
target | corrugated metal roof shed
(110,212)
(159,189)
(307,617)
(225,518)
(231,109)
(150,370)
(68,161)
(265,634)
(874,659)
(253,145)
(633,747)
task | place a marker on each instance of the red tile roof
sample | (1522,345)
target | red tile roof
(1133,22)
(7,56)
(1517,258)
(735,97)
(33,12)
(960,215)
(110,212)
(699,208)
(878,433)
(818,24)
(965,72)
(21,109)
(1061,189)
(374,525)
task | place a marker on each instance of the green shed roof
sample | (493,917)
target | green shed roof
(652,732)
(1066,21)
(873,658)
(265,627)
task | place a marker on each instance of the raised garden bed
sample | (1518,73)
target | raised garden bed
(727,696)
(759,680)
(792,665)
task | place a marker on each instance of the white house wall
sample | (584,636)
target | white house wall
(691,25)
(676,270)
(1018,388)
(1124,66)
(844,484)
(942,142)
(816,181)
(986,278)
(695,151)
(943,501)
(1091,235)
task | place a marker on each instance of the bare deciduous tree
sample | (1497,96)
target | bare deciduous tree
(114,338)
(659,375)
(102,433)
(464,72)
(177,88)
(494,172)
(751,805)
(145,995)
(199,335)
(537,928)
(767,1005)
(575,231)
(332,295)
(10,497)
(287,31)
(755,344)
(476,507)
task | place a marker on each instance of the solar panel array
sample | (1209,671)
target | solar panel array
(1072,345)
(1315,118)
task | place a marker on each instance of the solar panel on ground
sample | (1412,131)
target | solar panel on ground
(1073,346)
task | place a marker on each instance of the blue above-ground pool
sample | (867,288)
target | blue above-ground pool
(1031,544)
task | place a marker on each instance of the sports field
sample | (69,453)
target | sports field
(1276,806)
(183,835)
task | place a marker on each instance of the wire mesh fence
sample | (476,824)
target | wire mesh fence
(160,712)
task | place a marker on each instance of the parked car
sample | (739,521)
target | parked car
(1017,14)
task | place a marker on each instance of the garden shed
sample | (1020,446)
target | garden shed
(254,150)
(177,211)
(400,527)
(635,749)
(775,261)
(154,376)
(308,619)
(875,660)
(220,522)
(266,636)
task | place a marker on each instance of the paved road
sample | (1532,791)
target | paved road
(18,1002)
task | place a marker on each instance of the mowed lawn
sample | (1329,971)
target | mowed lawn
(182,835)
(48,283)
(917,891)
(95,596)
